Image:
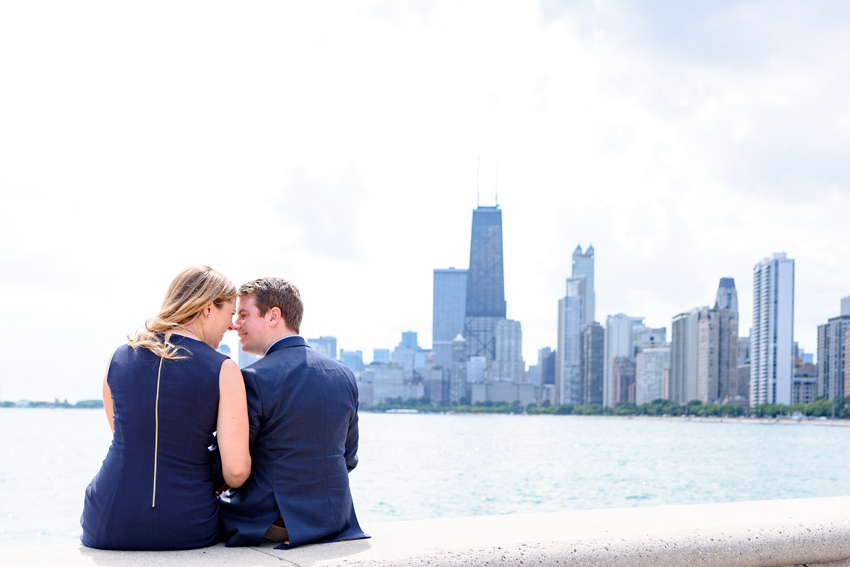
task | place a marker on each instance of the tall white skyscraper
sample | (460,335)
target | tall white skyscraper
(568,362)
(772,336)
(619,335)
(684,356)
(651,365)
(845,305)
(583,266)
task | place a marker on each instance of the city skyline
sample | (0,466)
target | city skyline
(683,145)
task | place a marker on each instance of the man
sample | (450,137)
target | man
(302,412)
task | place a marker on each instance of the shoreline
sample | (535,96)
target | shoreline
(701,419)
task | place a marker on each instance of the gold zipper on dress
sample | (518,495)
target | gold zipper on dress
(156,429)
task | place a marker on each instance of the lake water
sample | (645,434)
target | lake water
(431,466)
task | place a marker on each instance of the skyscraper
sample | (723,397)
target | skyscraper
(509,365)
(623,380)
(381,355)
(546,361)
(831,356)
(570,320)
(324,345)
(409,339)
(352,359)
(485,284)
(650,367)
(727,295)
(772,337)
(583,266)
(457,377)
(592,337)
(619,337)
(845,305)
(684,355)
(449,312)
(717,354)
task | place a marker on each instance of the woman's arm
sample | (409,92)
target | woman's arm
(232,433)
(107,399)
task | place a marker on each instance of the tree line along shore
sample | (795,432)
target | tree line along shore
(56,404)
(837,408)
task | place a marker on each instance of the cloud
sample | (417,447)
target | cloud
(323,215)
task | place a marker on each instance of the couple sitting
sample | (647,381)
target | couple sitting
(286,427)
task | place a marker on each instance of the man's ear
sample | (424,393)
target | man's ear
(275,316)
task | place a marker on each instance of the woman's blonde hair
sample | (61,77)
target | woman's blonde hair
(192,290)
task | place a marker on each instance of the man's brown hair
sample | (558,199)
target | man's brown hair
(276,292)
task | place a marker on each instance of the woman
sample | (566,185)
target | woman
(165,393)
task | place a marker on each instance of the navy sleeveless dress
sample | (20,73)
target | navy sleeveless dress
(155,489)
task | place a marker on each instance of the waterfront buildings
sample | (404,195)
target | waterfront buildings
(449,311)
(804,388)
(324,345)
(568,363)
(743,350)
(508,365)
(592,337)
(651,366)
(717,354)
(684,356)
(623,370)
(404,358)
(846,360)
(831,378)
(436,382)
(546,363)
(727,295)
(476,366)
(647,337)
(410,340)
(381,382)
(244,358)
(772,336)
(510,392)
(457,376)
(583,266)
(352,359)
(485,287)
(704,350)
(619,342)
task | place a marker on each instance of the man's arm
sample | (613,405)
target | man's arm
(353,437)
(255,404)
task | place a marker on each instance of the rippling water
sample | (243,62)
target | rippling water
(430,466)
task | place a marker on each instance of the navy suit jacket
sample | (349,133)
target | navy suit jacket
(302,410)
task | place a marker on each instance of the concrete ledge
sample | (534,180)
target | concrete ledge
(771,533)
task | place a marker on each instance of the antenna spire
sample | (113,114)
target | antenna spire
(478,183)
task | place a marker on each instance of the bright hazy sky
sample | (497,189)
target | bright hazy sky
(335,144)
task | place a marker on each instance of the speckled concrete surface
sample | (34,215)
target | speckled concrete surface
(774,533)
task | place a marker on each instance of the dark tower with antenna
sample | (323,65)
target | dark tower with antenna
(485,287)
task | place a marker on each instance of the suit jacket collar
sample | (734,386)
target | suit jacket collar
(287,342)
